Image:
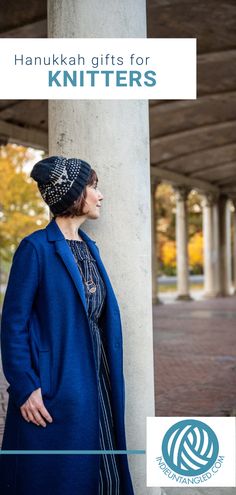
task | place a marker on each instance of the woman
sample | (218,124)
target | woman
(61,345)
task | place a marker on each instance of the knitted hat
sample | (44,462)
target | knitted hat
(60,180)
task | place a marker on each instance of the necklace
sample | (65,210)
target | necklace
(90,284)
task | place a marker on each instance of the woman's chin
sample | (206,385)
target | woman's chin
(94,216)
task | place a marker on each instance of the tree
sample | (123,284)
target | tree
(168,255)
(195,251)
(166,218)
(22,209)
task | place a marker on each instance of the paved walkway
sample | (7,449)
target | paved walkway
(195,365)
(195,358)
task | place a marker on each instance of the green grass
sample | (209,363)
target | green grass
(173,287)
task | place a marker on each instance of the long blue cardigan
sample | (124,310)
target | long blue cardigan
(46,342)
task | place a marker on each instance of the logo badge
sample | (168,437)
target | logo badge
(191,452)
(190,447)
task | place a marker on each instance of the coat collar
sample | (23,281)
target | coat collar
(54,234)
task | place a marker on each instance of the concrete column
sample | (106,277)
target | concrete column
(216,232)
(182,243)
(211,246)
(155,298)
(225,246)
(234,245)
(113,136)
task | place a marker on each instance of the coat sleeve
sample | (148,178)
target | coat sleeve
(15,349)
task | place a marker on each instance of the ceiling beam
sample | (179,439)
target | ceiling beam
(36,29)
(170,118)
(20,135)
(175,178)
(173,146)
(215,72)
(228,179)
(193,162)
(218,173)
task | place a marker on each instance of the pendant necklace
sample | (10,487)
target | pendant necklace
(90,284)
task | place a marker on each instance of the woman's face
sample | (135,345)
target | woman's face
(93,201)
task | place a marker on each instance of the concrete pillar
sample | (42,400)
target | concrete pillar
(234,245)
(216,232)
(182,243)
(155,298)
(225,246)
(113,136)
(211,246)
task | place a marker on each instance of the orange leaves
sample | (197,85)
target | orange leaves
(21,207)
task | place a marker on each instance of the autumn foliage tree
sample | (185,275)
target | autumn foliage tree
(21,207)
(166,235)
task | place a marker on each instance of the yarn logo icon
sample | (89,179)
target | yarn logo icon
(190,447)
(191,452)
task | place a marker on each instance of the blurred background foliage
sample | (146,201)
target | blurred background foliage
(165,205)
(21,207)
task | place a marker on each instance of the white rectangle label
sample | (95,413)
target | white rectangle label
(191,452)
(98,68)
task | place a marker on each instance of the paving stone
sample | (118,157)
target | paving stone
(195,358)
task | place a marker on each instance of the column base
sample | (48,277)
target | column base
(156,300)
(211,295)
(184,297)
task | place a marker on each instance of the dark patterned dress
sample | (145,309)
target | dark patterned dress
(109,482)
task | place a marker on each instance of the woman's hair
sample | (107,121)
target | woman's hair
(76,209)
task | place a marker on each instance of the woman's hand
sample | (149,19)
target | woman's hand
(34,410)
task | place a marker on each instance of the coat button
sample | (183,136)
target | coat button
(117,344)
